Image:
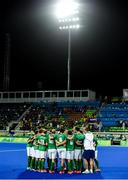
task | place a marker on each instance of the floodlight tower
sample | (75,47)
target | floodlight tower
(67,14)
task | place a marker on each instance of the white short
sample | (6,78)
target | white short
(42,154)
(37,154)
(52,153)
(62,153)
(70,155)
(77,154)
(28,151)
(32,152)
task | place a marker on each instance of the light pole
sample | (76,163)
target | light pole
(69,59)
(67,14)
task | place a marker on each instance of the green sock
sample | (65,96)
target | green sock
(75,162)
(69,169)
(39,165)
(52,166)
(71,165)
(61,168)
(29,160)
(42,164)
(49,163)
(79,165)
(32,163)
(36,164)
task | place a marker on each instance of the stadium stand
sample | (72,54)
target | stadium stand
(25,110)
(53,114)
(11,112)
(113,115)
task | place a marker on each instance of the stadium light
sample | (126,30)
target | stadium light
(66,8)
(67,12)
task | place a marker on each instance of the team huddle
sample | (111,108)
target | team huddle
(73,151)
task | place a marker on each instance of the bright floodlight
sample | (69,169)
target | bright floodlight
(70,27)
(66,8)
(67,14)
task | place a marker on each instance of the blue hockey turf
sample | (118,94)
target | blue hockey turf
(13,162)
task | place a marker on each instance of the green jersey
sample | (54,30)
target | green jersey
(80,138)
(30,140)
(51,141)
(35,143)
(42,140)
(70,143)
(60,138)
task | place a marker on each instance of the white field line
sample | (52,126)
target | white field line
(13,150)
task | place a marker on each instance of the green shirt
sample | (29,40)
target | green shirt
(80,138)
(35,143)
(70,143)
(60,138)
(30,140)
(51,141)
(43,140)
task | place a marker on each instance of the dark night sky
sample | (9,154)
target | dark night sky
(39,49)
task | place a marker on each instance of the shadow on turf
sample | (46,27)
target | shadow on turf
(36,175)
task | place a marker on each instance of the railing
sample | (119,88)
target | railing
(104,138)
(99,134)
(35,96)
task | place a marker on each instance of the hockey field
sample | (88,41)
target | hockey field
(13,163)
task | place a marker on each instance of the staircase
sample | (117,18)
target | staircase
(16,123)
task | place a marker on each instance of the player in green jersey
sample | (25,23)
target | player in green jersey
(51,150)
(43,142)
(60,140)
(79,138)
(34,149)
(29,148)
(70,151)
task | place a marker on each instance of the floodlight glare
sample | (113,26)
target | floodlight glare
(66,8)
(67,15)
(77,26)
